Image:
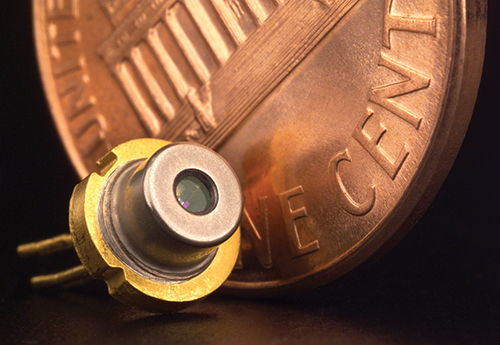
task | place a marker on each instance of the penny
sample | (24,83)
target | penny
(340,117)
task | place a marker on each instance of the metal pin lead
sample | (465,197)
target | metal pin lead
(159,225)
(45,247)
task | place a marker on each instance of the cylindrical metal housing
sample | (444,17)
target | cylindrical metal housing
(144,223)
(159,224)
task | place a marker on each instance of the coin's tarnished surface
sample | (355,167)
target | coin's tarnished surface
(340,117)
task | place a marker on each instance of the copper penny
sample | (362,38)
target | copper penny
(340,117)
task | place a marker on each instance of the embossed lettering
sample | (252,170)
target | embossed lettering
(58,38)
(414,82)
(344,199)
(60,9)
(92,130)
(392,22)
(75,89)
(290,217)
(87,128)
(62,38)
(193,41)
(371,145)
(61,68)
(383,96)
(258,233)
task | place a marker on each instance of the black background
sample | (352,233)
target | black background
(441,284)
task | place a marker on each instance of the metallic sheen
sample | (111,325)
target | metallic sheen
(144,225)
(126,227)
(341,118)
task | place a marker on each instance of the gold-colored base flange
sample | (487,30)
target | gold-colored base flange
(99,261)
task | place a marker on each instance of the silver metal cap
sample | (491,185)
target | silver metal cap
(165,216)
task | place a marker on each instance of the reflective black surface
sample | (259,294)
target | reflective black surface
(440,285)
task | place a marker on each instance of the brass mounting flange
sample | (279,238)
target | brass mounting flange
(131,227)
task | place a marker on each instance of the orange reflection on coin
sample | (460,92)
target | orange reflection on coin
(340,117)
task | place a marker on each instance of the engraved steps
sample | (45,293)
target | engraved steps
(195,69)
(186,43)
